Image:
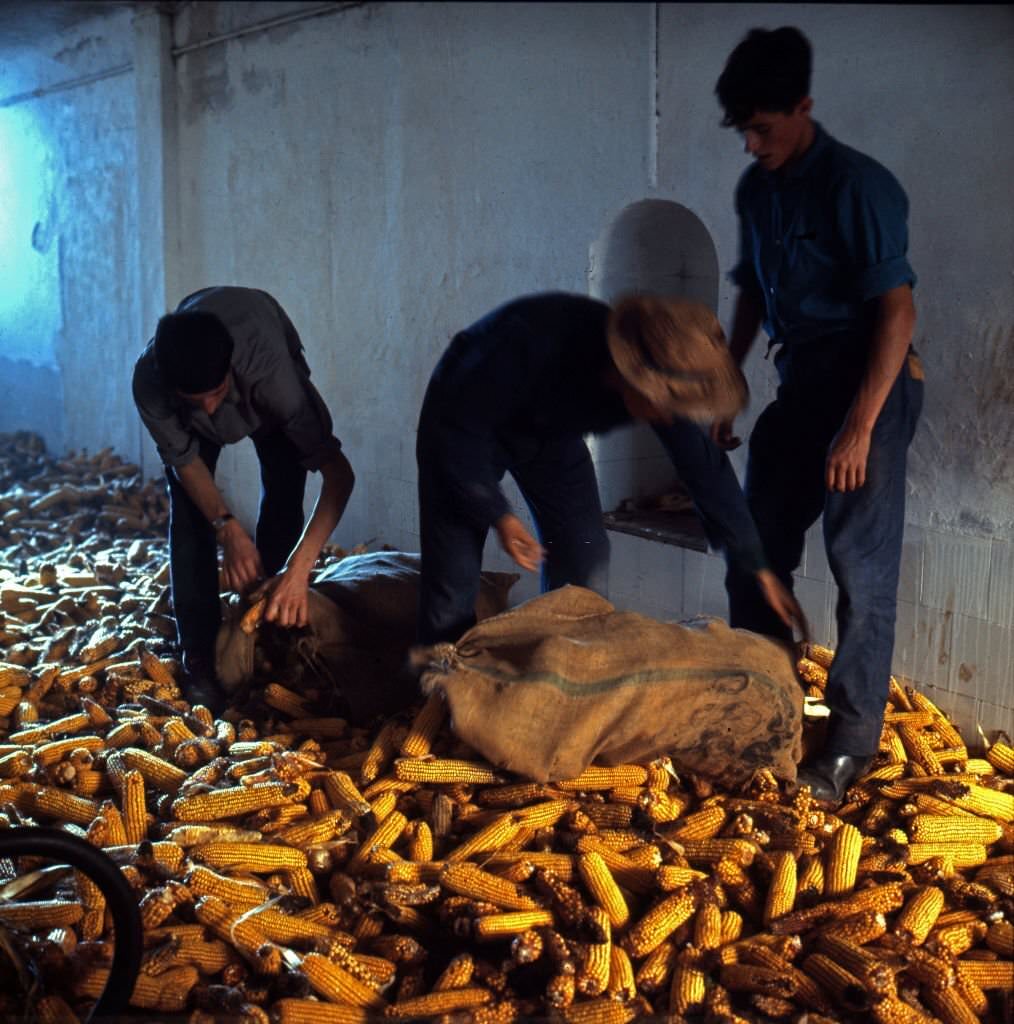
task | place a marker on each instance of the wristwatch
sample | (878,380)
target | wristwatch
(220,522)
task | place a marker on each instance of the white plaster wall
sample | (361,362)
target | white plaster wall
(67,255)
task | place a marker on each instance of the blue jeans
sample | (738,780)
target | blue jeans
(193,551)
(557,480)
(863,529)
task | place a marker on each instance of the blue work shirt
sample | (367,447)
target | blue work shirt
(820,238)
(532,371)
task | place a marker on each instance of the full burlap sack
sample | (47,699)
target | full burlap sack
(564,680)
(362,613)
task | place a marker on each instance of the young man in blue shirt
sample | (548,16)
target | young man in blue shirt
(823,267)
(517,392)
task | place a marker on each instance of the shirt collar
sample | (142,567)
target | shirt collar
(801,167)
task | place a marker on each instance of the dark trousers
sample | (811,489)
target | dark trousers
(557,480)
(193,551)
(786,492)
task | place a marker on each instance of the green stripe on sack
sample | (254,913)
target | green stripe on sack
(646,678)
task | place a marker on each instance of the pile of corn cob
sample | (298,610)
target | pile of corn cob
(290,868)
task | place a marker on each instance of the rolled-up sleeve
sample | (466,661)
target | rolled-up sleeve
(286,397)
(176,445)
(873,224)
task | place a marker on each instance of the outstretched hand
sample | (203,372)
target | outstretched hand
(518,542)
(783,603)
(287,600)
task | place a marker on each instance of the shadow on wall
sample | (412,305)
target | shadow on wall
(652,246)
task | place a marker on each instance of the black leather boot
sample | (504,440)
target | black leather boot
(829,775)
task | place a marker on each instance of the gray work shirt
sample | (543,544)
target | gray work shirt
(270,386)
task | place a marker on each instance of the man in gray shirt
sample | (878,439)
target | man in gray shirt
(228,364)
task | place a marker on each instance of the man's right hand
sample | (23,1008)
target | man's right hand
(722,435)
(518,542)
(241,564)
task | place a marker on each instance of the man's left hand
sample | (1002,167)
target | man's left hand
(783,603)
(846,461)
(288,603)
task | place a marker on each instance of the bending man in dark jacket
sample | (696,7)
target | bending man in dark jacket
(518,390)
(228,364)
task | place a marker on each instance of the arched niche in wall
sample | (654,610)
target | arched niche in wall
(652,246)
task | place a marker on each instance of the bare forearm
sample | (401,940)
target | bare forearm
(892,336)
(338,481)
(199,484)
(746,320)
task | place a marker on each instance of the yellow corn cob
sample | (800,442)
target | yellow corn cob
(895,1011)
(950,1006)
(457,974)
(703,824)
(611,815)
(730,927)
(812,673)
(498,926)
(561,864)
(332,982)
(1001,757)
(319,830)
(934,828)
(654,972)
(435,1003)
(420,841)
(781,893)
(961,855)
(233,925)
(990,803)
(593,977)
(383,805)
(671,876)
(48,754)
(310,1011)
(598,1011)
(603,889)
(257,857)
(988,974)
(231,802)
(742,851)
(39,914)
(493,837)
(842,861)
(208,957)
(287,701)
(708,926)
(302,883)
(931,805)
(383,837)
(443,770)
(469,880)
(842,986)
(51,802)
(419,739)
(958,938)
(688,989)
(659,923)
(135,815)
(384,745)
(624,871)
(859,929)
(544,814)
(156,771)
(596,777)
(1000,938)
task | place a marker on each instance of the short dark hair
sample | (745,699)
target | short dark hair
(769,70)
(193,351)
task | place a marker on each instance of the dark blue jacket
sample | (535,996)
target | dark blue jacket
(533,370)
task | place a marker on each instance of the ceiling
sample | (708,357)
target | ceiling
(23,20)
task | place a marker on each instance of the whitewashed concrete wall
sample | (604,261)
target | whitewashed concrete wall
(392,171)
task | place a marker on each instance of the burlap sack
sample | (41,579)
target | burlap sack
(362,613)
(564,680)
